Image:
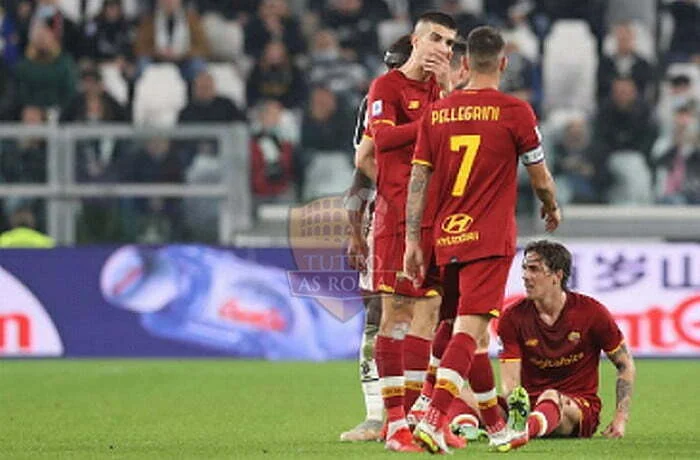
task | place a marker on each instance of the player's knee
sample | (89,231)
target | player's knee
(551,395)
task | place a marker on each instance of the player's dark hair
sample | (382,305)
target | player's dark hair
(459,50)
(485,44)
(555,256)
(399,52)
(439,18)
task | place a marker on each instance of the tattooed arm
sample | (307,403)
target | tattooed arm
(415,204)
(626,372)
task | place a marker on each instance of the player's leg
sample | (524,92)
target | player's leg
(448,312)
(464,418)
(438,346)
(417,347)
(370,428)
(481,287)
(425,320)
(397,313)
(454,368)
(554,413)
(483,385)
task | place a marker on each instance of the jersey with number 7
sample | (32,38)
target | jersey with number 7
(472,140)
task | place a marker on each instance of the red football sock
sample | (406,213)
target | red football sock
(440,341)
(543,419)
(389,356)
(454,367)
(484,387)
(459,407)
(416,355)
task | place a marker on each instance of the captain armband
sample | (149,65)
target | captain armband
(532,157)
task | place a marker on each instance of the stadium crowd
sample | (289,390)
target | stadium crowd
(615,83)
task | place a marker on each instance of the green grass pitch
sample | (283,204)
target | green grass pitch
(242,409)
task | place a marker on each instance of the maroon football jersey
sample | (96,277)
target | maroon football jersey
(396,100)
(472,140)
(565,355)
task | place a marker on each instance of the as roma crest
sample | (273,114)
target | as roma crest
(318,236)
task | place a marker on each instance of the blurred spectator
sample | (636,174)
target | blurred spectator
(623,124)
(517,30)
(325,125)
(672,160)
(643,12)
(626,62)
(172,34)
(93,103)
(591,11)
(680,93)
(48,13)
(276,77)
(108,37)
(157,219)
(24,159)
(466,21)
(272,157)
(518,77)
(96,159)
(685,43)
(46,76)
(355,25)
(273,23)
(573,169)
(330,69)
(205,105)
(15,30)
(202,214)
(23,233)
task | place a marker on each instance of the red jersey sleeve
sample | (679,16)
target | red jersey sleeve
(384,103)
(606,333)
(528,137)
(423,154)
(508,335)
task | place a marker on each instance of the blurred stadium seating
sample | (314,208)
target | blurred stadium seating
(574,63)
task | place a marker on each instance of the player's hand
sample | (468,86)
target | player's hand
(413,266)
(616,429)
(358,253)
(439,65)
(551,216)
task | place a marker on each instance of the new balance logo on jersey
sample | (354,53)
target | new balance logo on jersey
(413,105)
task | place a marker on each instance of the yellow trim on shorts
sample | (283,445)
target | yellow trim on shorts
(366,136)
(432,293)
(386,288)
(510,360)
(417,161)
(495,312)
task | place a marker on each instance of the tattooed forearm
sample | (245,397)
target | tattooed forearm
(624,363)
(623,395)
(415,203)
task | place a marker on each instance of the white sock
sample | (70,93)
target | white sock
(374,403)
